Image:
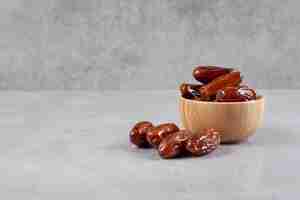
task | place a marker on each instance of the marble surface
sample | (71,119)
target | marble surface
(119,44)
(74,145)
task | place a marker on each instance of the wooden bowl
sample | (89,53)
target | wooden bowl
(236,121)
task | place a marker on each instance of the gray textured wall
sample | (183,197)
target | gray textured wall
(151,44)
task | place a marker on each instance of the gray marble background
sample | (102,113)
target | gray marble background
(143,44)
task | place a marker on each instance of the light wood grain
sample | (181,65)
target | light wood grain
(236,121)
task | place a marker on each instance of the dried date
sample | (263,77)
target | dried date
(231,79)
(174,145)
(206,74)
(204,142)
(190,91)
(138,134)
(156,134)
(235,94)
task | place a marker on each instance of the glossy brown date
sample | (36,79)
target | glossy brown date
(190,91)
(156,134)
(206,74)
(204,142)
(235,94)
(231,79)
(174,145)
(138,133)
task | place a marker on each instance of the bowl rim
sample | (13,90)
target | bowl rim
(259,98)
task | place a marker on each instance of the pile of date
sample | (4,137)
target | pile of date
(217,84)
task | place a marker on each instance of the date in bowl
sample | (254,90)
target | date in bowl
(236,121)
